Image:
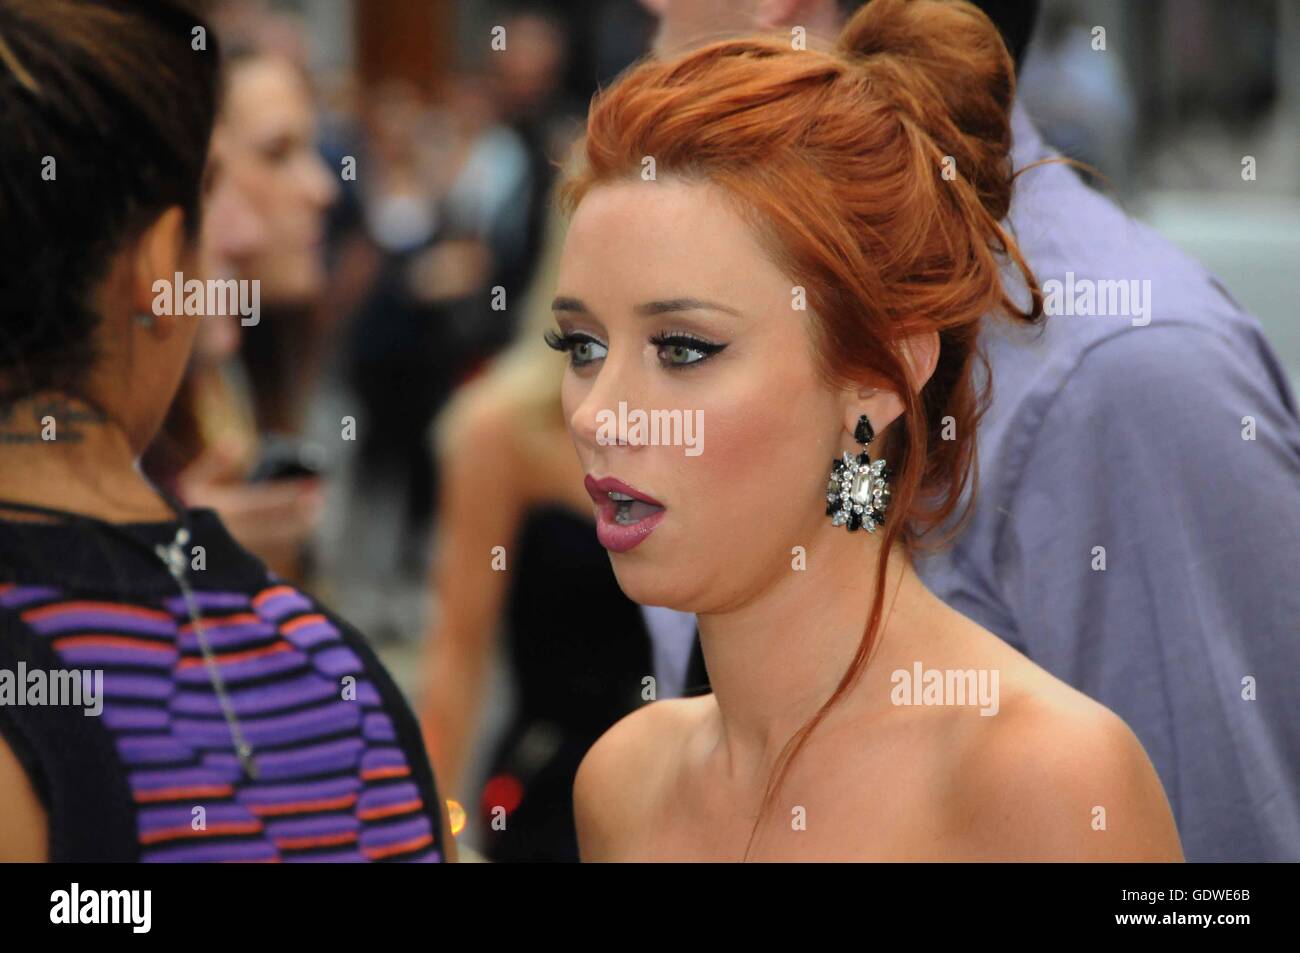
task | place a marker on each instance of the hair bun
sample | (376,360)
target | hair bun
(945,66)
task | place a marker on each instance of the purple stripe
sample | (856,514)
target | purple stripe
(106,655)
(168,816)
(249,850)
(145,780)
(268,794)
(229,636)
(279,607)
(99,621)
(312,826)
(152,749)
(350,856)
(311,636)
(235,672)
(24,595)
(341,755)
(379,727)
(207,601)
(382,758)
(337,662)
(134,717)
(381,834)
(224,767)
(318,722)
(293,691)
(368,695)
(387,795)
(121,686)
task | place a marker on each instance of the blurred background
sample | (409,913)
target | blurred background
(398,213)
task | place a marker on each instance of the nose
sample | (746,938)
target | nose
(319,183)
(595,421)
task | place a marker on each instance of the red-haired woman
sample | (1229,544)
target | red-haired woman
(796,246)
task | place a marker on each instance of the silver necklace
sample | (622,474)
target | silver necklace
(173,557)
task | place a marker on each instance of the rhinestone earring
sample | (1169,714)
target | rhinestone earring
(857,493)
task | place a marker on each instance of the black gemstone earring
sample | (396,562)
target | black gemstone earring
(857,493)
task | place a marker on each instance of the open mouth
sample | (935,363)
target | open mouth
(629,510)
(626,515)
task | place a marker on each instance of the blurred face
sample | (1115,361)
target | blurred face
(687,23)
(684,23)
(267,134)
(233,231)
(529,69)
(698,320)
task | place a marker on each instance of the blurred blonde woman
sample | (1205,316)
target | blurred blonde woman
(516,540)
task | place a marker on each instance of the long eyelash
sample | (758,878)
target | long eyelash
(565,342)
(557,341)
(708,348)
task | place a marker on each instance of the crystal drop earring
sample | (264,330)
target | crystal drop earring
(857,493)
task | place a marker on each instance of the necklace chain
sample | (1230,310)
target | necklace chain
(173,557)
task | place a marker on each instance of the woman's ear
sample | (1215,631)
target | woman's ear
(881,405)
(921,351)
(157,258)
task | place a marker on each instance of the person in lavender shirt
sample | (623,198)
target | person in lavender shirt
(1138,503)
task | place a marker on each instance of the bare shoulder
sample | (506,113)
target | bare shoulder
(1057,776)
(23,824)
(618,778)
(476,421)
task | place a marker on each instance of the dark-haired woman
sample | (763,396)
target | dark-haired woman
(194,707)
(801,273)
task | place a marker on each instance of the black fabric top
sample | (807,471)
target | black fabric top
(83,595)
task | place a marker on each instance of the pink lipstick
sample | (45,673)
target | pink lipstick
(624,515)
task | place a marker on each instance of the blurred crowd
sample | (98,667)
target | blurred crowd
(387,241)
(394,234)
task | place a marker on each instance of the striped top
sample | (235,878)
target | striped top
(341,771)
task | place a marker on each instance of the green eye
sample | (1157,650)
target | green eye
(681,354)
(586,350)
(582,348)
(681,350)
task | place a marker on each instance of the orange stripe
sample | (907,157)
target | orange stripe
(188,833)
(301,622)
(114,641)
(375,813)
(388,850)
(319,840)
(375,774)
(268,594)
(62,607)
(304,807)
(177,794)
(233,657)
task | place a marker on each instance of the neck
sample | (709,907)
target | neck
(774,661)
(61,452)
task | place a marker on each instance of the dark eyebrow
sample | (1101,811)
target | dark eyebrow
(651,308)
